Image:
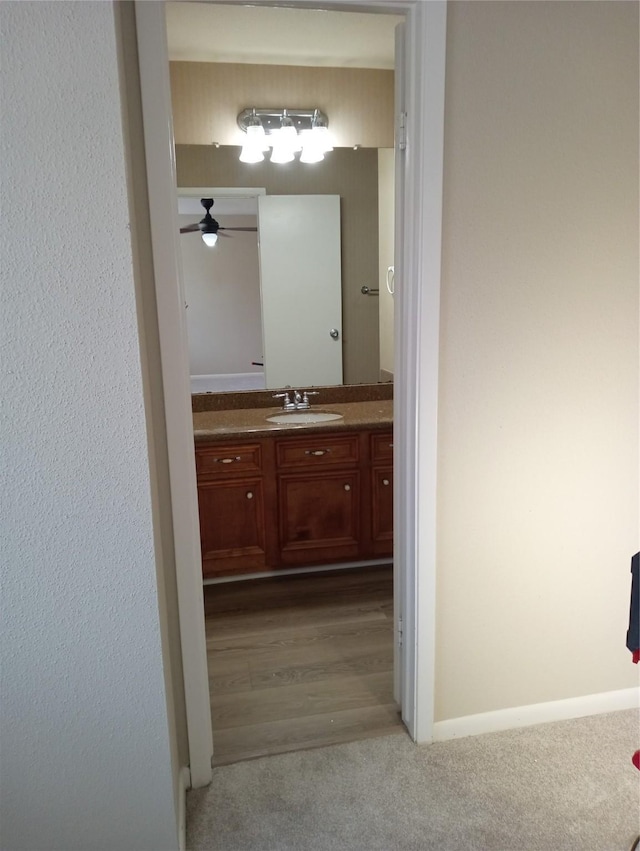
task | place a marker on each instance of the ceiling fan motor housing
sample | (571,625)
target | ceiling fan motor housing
(208,224)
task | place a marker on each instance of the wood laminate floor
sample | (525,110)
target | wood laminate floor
(300,661)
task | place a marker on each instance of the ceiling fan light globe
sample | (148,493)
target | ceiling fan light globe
(209,239)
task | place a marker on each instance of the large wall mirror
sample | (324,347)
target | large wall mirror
(237,298)
(225,59)
(265,301)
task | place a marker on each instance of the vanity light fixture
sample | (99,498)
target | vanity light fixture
(255,143)
(287,131)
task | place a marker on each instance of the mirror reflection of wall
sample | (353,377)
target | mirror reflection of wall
(352,84)
(222,293)
(279,294)
(386,276)
(353,175)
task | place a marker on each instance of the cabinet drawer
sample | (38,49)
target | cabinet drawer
(226,459)
(315,451)
(382,446)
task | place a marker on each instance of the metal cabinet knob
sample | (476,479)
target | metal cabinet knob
(347,487)
(249,495)
(385,481)
(334,333)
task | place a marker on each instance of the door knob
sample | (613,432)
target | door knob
(334,333)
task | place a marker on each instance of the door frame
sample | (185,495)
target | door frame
(416,351)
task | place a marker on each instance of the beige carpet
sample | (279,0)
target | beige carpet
(566,786)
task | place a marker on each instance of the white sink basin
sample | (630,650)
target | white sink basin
(304,417)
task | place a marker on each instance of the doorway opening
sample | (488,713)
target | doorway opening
(419,222)
(296,661)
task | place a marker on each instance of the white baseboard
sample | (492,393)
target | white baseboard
(537,713)
(184,783)
(224,383)
(291,571)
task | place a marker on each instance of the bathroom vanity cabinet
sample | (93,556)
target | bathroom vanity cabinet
(291,501)
(232,503)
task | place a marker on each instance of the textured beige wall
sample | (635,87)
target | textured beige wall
(86,731)
(351,174)
(538,417)
(207,97)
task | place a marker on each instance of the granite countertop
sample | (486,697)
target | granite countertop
(252,422)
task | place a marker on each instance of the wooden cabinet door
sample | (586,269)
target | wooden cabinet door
(319,516)
(232,526)
(382,511)
(381,449)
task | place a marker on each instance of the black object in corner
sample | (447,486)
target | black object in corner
(633,633)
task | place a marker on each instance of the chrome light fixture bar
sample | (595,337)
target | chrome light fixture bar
(271,119)
(286,131)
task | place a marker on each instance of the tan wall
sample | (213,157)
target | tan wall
(538,418)
(351,174)
(208,96)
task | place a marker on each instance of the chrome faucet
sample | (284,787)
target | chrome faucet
(304,403)
(297,401)
(288,404)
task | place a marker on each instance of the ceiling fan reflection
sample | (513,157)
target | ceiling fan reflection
(209,228)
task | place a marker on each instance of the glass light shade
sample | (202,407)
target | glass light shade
(281,154)
(257,137)
(312,152)
(251,153)
(209,239)
(286,135)
(309,155)
(322,139)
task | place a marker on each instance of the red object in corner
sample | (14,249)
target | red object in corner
(635,759)
(636,657)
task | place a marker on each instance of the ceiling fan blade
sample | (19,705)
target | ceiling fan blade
(189,228)
(253,230)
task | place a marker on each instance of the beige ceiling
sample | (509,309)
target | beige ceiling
(208,32)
